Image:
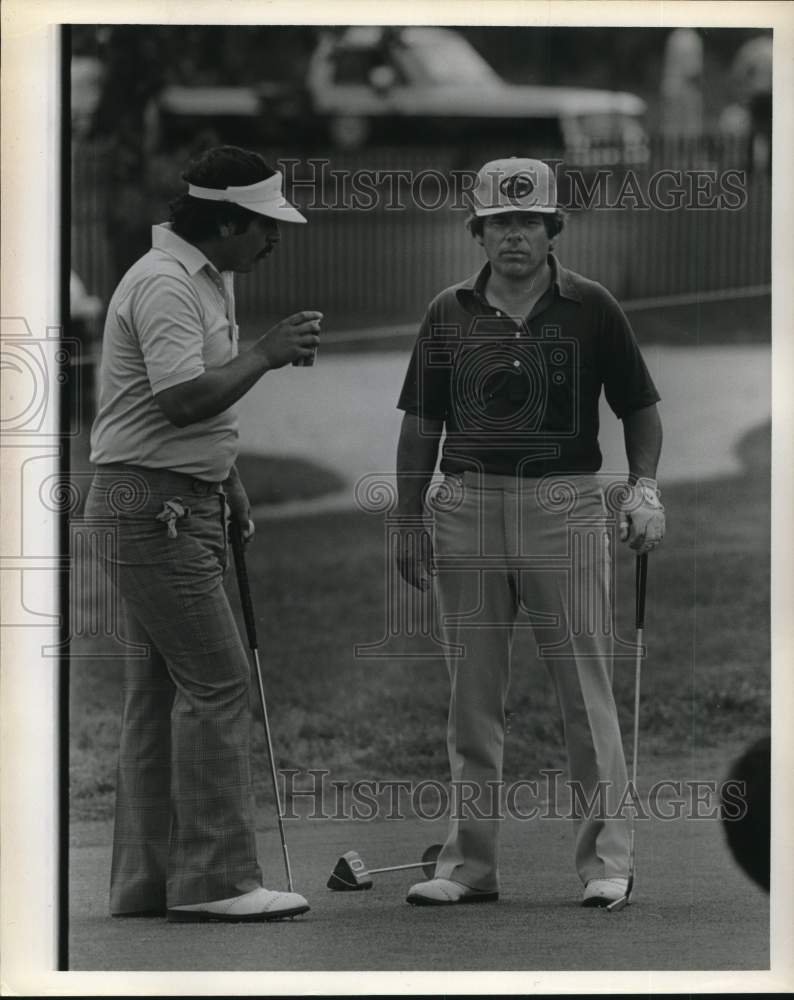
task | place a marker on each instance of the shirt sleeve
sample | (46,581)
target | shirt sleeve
(628,385)
(425,391)
(166,318)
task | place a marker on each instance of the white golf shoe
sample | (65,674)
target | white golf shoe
(259,904)
(603,891)
(445,892)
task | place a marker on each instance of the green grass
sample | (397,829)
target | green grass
(274,479)
(319,586)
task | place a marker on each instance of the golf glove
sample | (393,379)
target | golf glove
(642,516)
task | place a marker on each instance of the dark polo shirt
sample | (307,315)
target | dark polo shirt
(519,395)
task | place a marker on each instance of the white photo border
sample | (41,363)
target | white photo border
(30,220)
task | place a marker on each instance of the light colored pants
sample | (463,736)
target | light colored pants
(505,545)
(184,830)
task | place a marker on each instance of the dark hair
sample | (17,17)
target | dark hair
(554,224)
(196,219)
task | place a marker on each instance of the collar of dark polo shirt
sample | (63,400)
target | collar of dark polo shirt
(471,294)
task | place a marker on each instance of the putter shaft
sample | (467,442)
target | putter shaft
(274,775)
(244,588)
(396,868)
(641,574)
(634,754)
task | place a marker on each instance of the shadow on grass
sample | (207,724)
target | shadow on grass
(319,587)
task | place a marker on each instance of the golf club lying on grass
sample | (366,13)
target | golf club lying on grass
(238,549)
(352,875)
(640,578)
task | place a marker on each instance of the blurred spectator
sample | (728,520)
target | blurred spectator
(86,86)
(682,84)
(752,73)
(85,313)
(83,308)
(748,117)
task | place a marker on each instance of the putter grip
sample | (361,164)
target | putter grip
(641,577)
(238,551)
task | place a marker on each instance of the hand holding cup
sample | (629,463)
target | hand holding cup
(293,339)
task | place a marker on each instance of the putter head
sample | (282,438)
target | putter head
(624,900)
(350,874)
(429,860)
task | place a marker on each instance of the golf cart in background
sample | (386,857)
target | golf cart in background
(427,86)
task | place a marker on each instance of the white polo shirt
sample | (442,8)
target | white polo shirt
(170,319)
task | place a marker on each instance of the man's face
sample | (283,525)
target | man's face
(516,243)
(243,250)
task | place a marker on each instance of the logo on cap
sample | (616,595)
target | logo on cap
(517,186)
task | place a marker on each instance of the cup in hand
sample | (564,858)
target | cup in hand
(306,362)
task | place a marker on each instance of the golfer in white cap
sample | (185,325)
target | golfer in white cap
(164,443)
(510,365)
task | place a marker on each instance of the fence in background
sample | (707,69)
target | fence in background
(384,264)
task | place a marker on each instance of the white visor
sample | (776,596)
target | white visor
(265,198)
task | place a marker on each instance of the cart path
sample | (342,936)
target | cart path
(342,414)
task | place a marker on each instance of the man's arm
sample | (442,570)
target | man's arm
(417,452)
(216,389)
(642,521)
(642,434)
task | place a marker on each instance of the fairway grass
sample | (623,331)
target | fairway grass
(319,586)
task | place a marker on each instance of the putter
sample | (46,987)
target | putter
(352,875)
(238,549)
(641,576)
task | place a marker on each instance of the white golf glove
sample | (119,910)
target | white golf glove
(642,516)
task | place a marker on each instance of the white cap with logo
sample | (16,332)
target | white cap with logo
(515,185)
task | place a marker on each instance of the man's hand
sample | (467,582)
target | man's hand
(293,338)
(217,389)
(238,505)
(642,521)
(415,556)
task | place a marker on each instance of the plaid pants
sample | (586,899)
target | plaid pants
(505,545)
(184,823)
